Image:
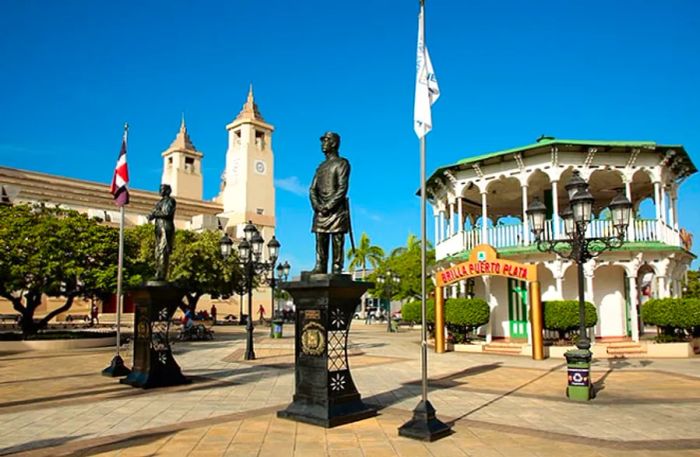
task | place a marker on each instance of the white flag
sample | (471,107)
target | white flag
(427,90)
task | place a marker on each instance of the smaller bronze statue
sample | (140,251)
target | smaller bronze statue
(329,201)
(163,214)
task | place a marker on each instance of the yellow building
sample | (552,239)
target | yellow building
(247,193)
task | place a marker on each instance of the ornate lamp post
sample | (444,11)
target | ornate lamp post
(577,247)
(249,254)
(282,275)
(388,282)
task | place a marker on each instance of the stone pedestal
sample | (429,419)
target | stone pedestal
(325,393)
(154,365)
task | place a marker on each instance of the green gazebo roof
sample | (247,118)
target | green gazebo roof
(547,142)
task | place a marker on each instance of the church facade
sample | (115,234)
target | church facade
(247,193)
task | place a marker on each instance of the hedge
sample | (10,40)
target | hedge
(463,315)
(562,316)
(673,314)
(411,312)
(467,312)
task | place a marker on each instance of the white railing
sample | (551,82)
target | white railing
(645,230)
(509,236)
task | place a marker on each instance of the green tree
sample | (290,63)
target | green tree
(405,262)
(365,253)
(196,265)
(53,252)
(692,289)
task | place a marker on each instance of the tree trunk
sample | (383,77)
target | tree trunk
(65,307)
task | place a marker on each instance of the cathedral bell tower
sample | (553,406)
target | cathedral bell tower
(248,190)
(182,166)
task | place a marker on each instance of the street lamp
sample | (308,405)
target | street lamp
(388,283)
(575,245)
(249,253)
(282,274)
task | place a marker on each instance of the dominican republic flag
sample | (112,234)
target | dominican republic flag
(121,176)
(427,90)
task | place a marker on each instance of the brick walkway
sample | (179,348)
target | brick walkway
(58,404)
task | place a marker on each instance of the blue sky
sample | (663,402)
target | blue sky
(74,71)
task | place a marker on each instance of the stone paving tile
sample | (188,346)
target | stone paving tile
(500,405)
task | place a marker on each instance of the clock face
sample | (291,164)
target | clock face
(260,167)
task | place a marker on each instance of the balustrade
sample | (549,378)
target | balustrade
(511,235)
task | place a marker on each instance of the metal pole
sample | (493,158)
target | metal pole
(249,352)
(274,309)
(583,342)
(423,272)
(120,261)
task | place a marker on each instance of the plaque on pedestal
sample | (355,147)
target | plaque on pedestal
(325,393)
(154,365)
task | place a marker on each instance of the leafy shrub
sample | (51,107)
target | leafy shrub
(562,316)
(673,315)
(410,312)
(463,315)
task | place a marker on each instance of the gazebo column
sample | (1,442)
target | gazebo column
(555,210)
(436,217)
(450,217)
(657,207)
(673,208)
(442,225)
(664,213)
(526,224)
(634,300)
(559,279)
(589,273)
(484,219)
(460,215)
(662,290)
(628,194)
(492,305)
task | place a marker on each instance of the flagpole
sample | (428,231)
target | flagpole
(117,367)
(423,280)
(424,425)
(423,260)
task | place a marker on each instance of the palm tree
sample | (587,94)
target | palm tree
(413,243)
(364,253)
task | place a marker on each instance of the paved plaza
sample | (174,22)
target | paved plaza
(55,404)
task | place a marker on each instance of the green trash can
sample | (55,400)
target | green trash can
(578,364)
(276,328)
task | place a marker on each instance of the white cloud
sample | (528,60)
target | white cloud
(361,210)
(292,185)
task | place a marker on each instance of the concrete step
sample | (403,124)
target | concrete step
(503,348)
(626,348)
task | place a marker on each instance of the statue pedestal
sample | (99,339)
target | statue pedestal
(325,393)
(154,365)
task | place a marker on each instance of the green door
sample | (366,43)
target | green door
(517,308)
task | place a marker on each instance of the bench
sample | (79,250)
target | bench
(14,318)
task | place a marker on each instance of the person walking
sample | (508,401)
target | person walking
(213,314)
(261,313)
(94,315)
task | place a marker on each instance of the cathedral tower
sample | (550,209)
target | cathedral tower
(182,166)
(248,190)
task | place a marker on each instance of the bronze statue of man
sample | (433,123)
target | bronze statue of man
(328,194)
(163,214)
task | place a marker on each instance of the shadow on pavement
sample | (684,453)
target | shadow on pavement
(38,444)
(409,389)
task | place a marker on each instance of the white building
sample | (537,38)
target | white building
(482,199)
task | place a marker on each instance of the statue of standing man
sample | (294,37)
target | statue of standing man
(163,214)
(328,194)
